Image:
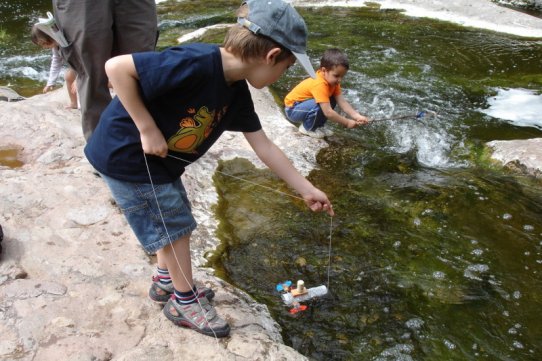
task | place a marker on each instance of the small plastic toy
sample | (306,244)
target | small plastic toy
(293,296)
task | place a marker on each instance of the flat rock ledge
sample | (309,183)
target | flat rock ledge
(522,156)
(73,278)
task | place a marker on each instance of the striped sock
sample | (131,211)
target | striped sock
(186,298)
(163,276)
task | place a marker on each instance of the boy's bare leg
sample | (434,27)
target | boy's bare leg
(70,77)
(167,258)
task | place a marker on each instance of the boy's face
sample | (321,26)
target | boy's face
(334,75)
(267,73)
(46,44)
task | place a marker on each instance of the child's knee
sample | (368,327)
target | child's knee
(70,76)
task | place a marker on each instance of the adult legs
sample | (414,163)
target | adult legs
(87,27)
(94,37)
(134,26)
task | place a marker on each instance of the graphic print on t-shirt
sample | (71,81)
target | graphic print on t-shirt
(194,129)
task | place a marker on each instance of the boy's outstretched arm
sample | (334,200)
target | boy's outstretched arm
(124,80)
(348,109)
(329,113)
(277,161)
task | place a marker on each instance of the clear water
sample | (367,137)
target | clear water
(436,252)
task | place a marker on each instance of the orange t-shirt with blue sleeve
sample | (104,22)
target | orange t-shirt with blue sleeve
(317,89)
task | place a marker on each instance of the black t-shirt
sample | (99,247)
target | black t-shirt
(185,91)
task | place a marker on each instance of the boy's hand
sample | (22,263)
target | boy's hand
(351,124)
(317,201)
(154,143)
(47,88)
(357,121)
(361,120)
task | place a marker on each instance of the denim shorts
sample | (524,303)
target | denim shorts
(154,227)
(309,113)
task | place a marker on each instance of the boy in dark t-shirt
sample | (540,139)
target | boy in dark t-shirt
(177,103)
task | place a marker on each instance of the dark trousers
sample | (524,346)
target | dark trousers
(97,31)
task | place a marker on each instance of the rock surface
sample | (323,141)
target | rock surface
(479,14)
(523,156)
(73,278)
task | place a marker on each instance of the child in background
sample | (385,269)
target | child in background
(177,103)
(312,101)
(45,41)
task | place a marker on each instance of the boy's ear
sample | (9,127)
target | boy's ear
(272,55)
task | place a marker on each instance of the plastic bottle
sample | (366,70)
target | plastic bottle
(312,292)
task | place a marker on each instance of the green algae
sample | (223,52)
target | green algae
(410,241)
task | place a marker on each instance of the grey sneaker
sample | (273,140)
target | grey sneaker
(200,316)
(160,293)
(314,134)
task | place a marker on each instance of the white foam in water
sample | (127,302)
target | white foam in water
(474,270)
(432,146)
(521,107)
(26,71)
(414,323)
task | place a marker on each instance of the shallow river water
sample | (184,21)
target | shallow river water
(436,253)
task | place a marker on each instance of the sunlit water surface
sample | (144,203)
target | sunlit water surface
(436,253)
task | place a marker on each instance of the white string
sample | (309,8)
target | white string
(329,252)
(280,192)
(241,179)
(173,249)
(245,180)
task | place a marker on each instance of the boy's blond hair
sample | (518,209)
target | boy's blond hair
(246,45)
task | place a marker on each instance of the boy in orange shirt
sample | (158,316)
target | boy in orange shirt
(312,101)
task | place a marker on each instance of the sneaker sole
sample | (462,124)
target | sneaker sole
(182,322)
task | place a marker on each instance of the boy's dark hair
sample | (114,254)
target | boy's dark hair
(243,43)
(40,38)
(332,58)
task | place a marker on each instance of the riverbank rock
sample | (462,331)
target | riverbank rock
(484,14)
(523,156)
(73,278)
(9,95)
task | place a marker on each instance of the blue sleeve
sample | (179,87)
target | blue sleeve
(161,72)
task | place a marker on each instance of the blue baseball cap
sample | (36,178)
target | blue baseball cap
(278,20)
